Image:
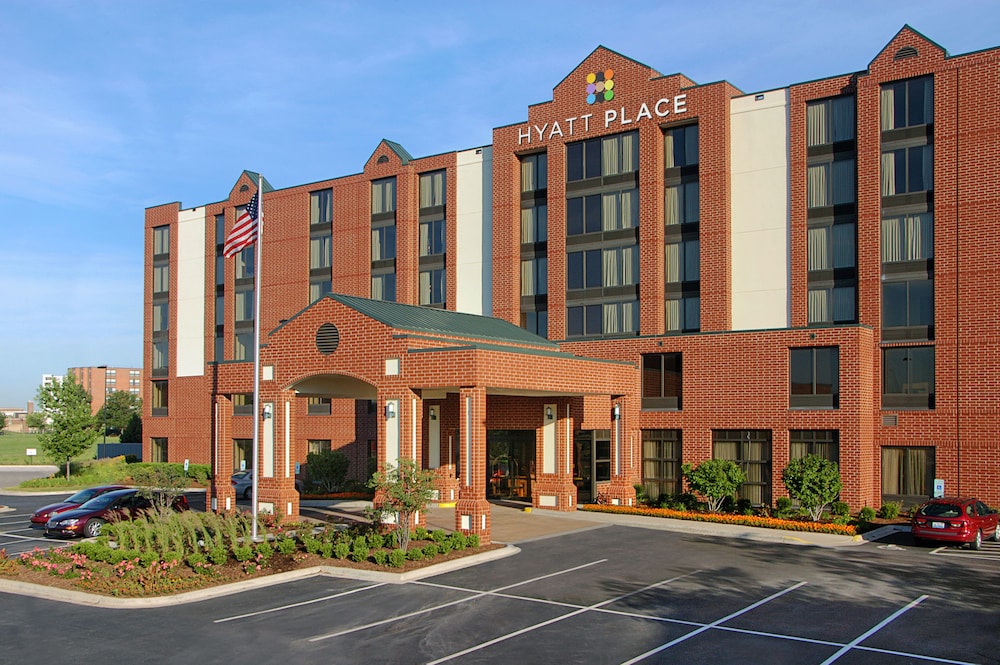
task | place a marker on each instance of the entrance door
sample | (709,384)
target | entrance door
(591,462)
(510,464)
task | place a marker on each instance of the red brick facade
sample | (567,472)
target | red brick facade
(733,380)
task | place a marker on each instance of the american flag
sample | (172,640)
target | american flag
(244,232)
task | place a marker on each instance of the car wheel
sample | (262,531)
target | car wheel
(247,492)
(92,529)
(978,542)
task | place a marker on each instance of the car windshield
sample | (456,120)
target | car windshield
(100,501)
(941,510)
(83,496)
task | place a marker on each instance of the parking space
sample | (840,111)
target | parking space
(17,534)
(990,551)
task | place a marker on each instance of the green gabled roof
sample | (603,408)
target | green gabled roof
(400,151)
(441,321)
(254,176)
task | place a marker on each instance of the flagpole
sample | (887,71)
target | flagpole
(258,409)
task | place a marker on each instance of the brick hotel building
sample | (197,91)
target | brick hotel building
(646,271)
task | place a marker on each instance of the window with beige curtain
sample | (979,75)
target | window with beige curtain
(534,224)
(432,189)
(908,238)
(680,146)
(321,207)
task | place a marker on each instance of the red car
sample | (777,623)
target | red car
(955,520)
(42,515)
(87,519)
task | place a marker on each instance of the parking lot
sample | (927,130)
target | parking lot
(612,594)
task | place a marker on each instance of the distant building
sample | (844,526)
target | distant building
(17,418)
(102,381)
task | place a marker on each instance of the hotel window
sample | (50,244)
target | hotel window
(160,397)
(432,190)
(661,462)
(383,196)
(384,287)
(908,309)
(244,306)
(244,264)
(907,474)
(683,314)
(832,304)
(609,156)
(242,404)
(683,262)
(384,243)
(583,215)
(534,276)
(832,246)
(751,450)
(161,278)
(908,377)
(612,318)
(220,287)
(161,241)
(243,346)
(907,103)
(161,316)
(682,204)
(607,267)
(680,146)
(534,172)
(534,224)
(220,320)
(908,237)
(602,455)
(830,121)
(662,381)
(823,443)
(432,238)
(158,450)
(908,169)
(320,260)
(321,207)
(432,287)
(242,454)
(317,446)
(319,288)
(319,406)
(814,375)
(161,358)
(832,183)
(536,321)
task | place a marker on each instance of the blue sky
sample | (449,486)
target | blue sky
(109,107)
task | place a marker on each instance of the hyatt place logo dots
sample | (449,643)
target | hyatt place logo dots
(601,86)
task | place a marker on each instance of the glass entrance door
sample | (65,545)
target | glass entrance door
(510,464)
(591,462)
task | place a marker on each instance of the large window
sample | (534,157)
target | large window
(907,474)
(607,156)
(682,205)
(683,261)
(683,314)
(751,450)
(661,462)
(908,238)
(243,404)
(815,377)
(680,146)
(830,121)
(432,287)
(605,318)
(832,304)
(534,224)
(161,318)
(534,276)
(161,358)
(244,263)
(243,346)
(321,207)
(534,172)
(383,196)
(317,446)
(823,443)
(832,246)
(608,267)
(321,251)
(662,381)
(161,278)
(384,287)
(909,304)
(384,243)
(907,103)
(432,238)
(536,321)
(160,397)
(161,240)
(242,454)
(907,170)
(432,189)
(158,450)
(908,377)
(832,183)
(602,212)
(244,306)
(319,406)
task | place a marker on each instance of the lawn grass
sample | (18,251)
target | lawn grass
(13,446)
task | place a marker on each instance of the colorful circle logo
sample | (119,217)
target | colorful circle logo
(600,85)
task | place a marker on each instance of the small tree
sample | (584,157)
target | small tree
(161,484)
(118,409)
(3,421)
(714,479)
(35,421)
(814,482)
(400,492)
(133,430)
(328,468)
(73,429)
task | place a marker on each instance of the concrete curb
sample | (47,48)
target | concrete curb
(110,602)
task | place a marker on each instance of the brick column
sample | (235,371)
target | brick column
(220,496)
(555,490)
(621,491)
(279,490)
(472,511)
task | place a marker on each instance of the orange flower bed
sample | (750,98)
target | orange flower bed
(725,518)
(363,496)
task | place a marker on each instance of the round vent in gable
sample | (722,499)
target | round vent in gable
(905,52)
(327,338)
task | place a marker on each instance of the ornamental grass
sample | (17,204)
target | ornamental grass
(725,518)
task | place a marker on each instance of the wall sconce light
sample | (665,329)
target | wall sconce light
(390,409)
(267,412)
(616,412)
(548,413)
(434,415)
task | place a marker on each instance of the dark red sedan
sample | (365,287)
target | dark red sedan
(87,519)
(955,520)
(42,515)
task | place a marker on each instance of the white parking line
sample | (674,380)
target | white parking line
(724,619)
(557,619)
(475,595)
(304,602)
(879,626)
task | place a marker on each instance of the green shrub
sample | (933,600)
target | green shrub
(840,509)
(175,556)
(376,540)
(782,506)
(743,507)
(197,561)
(842,519)
(814,482)
(243,553)
(445,546)
(457,541)
(473,540)
(431,550)
(439,535)
(359,552)
(381,557)
(326,550)
(415,554)
(286,545)
(328,469)
(397,558)
(890,510)
(866,514)
(311,544)
(265,550)
(420,533)
(715,479)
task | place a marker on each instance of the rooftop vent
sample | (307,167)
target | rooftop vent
(905,52)
(327,338)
